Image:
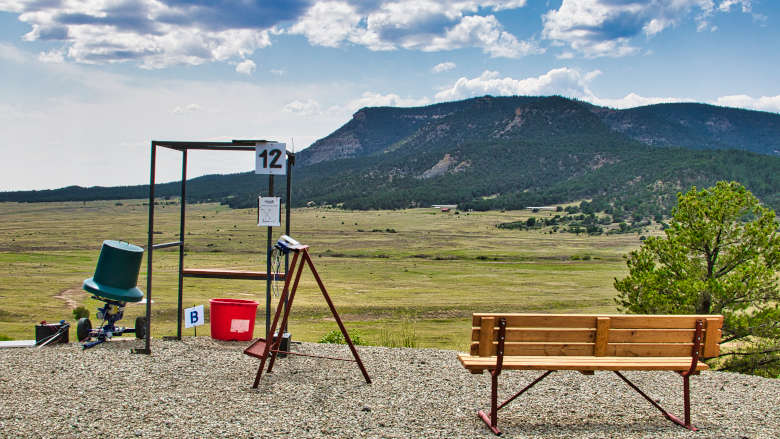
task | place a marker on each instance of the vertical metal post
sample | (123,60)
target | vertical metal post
(687,401)
(181,238)
(269,277)
(494,398)
(149,249)
(288,201)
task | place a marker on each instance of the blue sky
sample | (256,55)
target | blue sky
(85,85)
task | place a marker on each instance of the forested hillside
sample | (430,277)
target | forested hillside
(507,153)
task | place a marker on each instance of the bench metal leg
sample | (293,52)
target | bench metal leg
(669,416)
(492,422)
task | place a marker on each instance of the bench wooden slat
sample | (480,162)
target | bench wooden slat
(615,335)
(602,336)
(712,336)
(586,335)
(486,337)
(542,320)
(652,335)
(580,363)
(654,322)
(574,348)
(617,321)
(575,359)
(583,335)
(549,348)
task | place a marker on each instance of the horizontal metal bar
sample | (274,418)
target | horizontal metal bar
(235,145)
(168,244)
(314,356)
(229,274)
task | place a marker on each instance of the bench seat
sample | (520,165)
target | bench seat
(477,364)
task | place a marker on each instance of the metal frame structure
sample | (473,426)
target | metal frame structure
(492,419)
(184,147)
(270,346)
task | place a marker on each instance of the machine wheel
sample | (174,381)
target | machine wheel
(83,328)
(140,327)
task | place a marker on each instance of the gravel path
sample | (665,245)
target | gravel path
(200,387)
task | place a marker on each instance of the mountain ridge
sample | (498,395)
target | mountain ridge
(510,152)
(689,125)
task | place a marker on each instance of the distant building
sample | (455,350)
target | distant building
(540,208)
(444,206)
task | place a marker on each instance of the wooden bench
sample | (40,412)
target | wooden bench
(587,343)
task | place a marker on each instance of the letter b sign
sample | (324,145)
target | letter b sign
(193,316)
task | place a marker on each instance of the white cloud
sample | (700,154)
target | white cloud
(761,19)
(511,4)
(12,54)
(371,99)
(485,33)
(52,56)
(563,81)
(329,23)
(12,5)
(633,100)
(443,67)
(161,33)
(246,67)
(725,5)
(414,25)
(152,33)
(764,103)
(278,72)
(190,108)
(307,107)
(599,28)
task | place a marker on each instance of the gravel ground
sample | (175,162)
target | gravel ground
(200,387)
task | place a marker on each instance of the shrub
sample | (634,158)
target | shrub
(405,337)
(80,312)
(336,337)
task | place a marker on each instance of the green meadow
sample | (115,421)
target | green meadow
(403,277)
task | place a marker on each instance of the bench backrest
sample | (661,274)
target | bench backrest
(596,335)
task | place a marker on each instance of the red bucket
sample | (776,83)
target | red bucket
(232,319)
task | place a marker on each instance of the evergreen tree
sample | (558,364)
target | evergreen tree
(720,255)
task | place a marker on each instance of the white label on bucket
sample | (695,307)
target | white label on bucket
(238,325)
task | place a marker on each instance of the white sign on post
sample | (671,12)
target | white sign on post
(193,316)
(271,158)
(269,211)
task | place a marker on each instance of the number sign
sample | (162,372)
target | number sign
(271,158)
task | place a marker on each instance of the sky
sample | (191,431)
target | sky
(86,85)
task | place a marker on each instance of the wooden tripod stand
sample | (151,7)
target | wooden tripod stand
(263,348)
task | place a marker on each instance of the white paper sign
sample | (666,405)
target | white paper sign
(239,325)
(193,316)
(269,211)
(271,158)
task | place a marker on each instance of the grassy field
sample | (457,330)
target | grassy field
(390,273)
